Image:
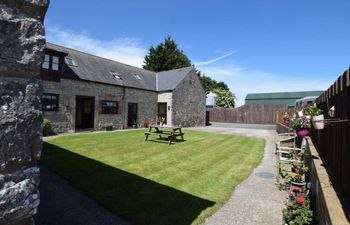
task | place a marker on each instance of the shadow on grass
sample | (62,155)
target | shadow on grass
(163,140)
(136,199)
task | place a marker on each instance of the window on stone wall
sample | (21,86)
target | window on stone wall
(51,62)
(50,102)
(109,107)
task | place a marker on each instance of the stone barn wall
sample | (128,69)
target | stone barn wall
(63,120)
(146,105)
(189,102)
(22,43)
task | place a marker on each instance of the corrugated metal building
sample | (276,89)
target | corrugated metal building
(277,98)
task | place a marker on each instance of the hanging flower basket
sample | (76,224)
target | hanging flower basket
(318,122)
(302,132)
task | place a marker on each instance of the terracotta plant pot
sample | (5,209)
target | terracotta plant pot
(318,122)
(302,132)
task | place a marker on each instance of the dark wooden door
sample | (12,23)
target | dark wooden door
(132,114)
(85,112)
(162,112)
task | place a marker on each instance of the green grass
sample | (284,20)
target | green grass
(151,182)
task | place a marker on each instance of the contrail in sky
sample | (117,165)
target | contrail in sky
(215,60)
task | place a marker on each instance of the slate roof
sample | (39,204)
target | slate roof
(283,95)
(168,80)
(276,98)
(97,69)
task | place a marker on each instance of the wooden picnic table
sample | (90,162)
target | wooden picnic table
(170,132)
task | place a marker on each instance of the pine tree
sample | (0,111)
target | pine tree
(165,56)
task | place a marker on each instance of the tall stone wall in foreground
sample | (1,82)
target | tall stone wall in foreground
(22,43)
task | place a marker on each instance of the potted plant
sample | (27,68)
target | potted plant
(297,177)
(108,126)
(146,123)
(301,126)
(286,119)
(307,114)
(317,117)
(298,212)
(161,121)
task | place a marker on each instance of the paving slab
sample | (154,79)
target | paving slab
(257,200)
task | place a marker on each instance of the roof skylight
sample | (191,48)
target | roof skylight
(115,75)
(137,76)
(70,62)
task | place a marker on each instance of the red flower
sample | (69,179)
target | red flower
(300,200)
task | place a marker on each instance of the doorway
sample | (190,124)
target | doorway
(132,114)
(85,112)
(162,112)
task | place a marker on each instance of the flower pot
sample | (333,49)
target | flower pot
(300,113)
(109,128)
(286,122)
(318,122)
(302,132)
(298,184)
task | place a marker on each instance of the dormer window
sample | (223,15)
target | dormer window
(70,62)
(115,75)
(51,62)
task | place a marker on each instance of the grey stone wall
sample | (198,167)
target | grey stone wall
(22,43)
(147,105)
(189,102)
(63,120)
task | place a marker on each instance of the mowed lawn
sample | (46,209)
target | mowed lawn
(151,182)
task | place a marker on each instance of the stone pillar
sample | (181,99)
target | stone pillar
(22,42)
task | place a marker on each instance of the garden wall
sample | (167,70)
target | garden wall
(254,114)
(329,205)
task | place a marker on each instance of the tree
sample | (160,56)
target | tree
(210,84)
(222,85)
(224,98)
(165,56)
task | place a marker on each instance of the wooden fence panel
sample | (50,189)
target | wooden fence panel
(254,114)
(333,142)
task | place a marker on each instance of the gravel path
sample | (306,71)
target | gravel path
(257,200)
(61,204)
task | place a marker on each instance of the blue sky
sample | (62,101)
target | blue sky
(252,45)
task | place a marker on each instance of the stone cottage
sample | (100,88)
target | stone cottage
(84,91)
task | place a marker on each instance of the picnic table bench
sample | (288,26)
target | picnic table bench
(170,132)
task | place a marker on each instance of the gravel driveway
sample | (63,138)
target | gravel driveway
(257,200)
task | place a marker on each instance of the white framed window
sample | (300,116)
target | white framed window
(51,62)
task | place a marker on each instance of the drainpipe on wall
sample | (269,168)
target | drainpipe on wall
(125,108)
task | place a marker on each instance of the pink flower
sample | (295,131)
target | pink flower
(295,188)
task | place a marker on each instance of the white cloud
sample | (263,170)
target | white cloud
(215,59)
(125,50)
(242,81)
